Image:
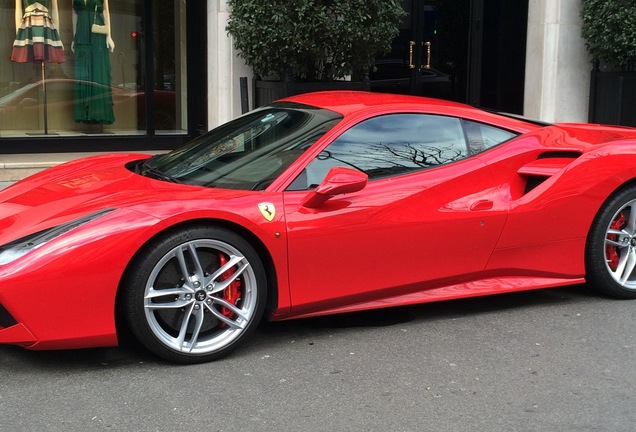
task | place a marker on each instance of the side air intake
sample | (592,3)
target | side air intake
(546,165)
(6,320)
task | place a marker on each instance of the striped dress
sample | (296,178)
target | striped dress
(37,39)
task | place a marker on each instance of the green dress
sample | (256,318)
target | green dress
(93,100)
(37,39)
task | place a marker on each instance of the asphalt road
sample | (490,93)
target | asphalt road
(550,360)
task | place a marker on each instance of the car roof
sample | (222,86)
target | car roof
(346,102)
(350,102)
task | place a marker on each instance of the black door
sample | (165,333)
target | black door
(498,52)
(429,56)
(470,51)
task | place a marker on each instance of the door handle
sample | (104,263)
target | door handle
(427,44)
(411,45)
(482,205)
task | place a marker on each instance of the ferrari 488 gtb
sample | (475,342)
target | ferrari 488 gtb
(317,204)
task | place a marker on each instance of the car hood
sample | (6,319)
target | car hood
(83,187)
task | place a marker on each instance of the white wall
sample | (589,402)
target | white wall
(224,68)
(557,64)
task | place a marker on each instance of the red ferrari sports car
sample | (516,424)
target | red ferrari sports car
(317,204)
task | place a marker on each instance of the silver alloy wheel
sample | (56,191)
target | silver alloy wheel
(200,297)
(620,246)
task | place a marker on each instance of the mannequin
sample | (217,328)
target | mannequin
(91,44)
(36,32)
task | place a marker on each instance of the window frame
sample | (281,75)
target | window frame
(462,122)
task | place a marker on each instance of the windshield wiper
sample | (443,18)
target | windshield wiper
(148,170)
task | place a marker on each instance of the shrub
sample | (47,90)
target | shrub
(312,39)
(609,30)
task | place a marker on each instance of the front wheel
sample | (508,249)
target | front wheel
(195,295)
(611,247)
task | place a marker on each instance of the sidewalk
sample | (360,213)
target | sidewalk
(14,167)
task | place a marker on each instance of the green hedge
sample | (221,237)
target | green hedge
(609,28)
(312,39)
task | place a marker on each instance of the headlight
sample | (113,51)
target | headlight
(18,248)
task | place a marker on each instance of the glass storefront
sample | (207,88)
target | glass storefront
(103,69)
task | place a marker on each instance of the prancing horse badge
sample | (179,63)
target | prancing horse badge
(267,210)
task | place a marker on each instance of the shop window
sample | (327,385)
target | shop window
(77,67)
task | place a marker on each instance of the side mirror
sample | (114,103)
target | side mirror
(339,180)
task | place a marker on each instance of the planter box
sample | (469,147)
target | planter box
(264,92)
(613,98)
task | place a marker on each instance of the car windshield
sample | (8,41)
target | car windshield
(247,153)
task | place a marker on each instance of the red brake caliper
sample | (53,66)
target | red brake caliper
(611,253)
(232,294)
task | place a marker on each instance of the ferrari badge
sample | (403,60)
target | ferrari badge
(267,210)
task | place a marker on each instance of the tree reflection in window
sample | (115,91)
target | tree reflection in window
(391,145)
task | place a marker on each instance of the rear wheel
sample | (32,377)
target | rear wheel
(195,295)
(611,247)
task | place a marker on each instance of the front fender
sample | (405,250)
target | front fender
(64,292)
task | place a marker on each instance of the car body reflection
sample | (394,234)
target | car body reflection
(394,76)
(23,109)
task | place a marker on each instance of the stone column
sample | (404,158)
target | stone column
(557,80)
(224,68)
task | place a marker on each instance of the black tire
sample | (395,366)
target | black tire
(610,256)
(179,304)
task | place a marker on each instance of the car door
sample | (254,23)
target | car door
(430,214)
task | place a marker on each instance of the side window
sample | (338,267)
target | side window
(390,145)
(481,137)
